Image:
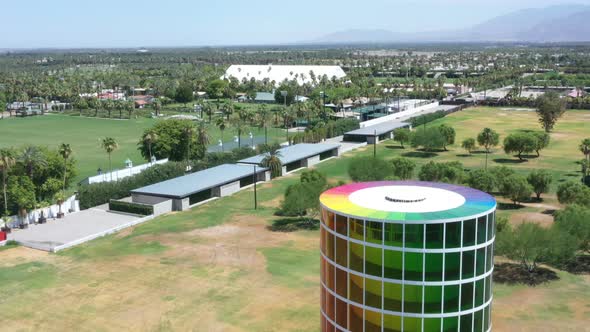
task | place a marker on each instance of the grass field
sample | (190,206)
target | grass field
(218,267)
(83,135)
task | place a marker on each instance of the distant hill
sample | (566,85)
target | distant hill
(551,24)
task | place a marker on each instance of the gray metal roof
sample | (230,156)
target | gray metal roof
(187,185)
(293,153)
(381,128)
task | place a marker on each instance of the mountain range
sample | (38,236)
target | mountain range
(564,23)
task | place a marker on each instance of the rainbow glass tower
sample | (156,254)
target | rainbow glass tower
(406,256)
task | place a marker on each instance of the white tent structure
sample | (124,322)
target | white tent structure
(302,74)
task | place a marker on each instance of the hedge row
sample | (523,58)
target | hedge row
(100,193)
(426,118)
(128,207)
(329,130)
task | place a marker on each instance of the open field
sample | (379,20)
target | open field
(83,135)
(218,267)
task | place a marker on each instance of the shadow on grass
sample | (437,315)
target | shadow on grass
(420,154)
(464,155)
(509,206)
(580,265)
(394,147)
(513,274)
(509,161)
(574,175)
(288,225)
(550,212)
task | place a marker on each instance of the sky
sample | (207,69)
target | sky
(151,23)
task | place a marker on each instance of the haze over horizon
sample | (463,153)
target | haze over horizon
(67,24)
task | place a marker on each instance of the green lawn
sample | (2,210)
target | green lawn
(83,134)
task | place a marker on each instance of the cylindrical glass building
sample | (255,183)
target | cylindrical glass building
(406,256)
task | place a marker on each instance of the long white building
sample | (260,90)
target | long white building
(302,74)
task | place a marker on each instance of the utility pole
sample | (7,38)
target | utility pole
(375,145)
(255,198)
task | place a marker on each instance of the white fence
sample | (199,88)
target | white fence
(70,205)
(398,115)
(121,173)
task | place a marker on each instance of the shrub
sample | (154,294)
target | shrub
(101,193)
(431,138)
(468,144)
(540,181)
(520,143)
(450,172)
(369,169)
(403,168)
(129,207)
(402,135)
(575,221)
(500,174)
(573,193)
(420,120)
(517,189)
(482,180)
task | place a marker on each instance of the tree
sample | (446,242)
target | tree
(488,138)
(362,169)
(149,137)
(429,139)
(520,143)
(264,118)
(272,161)
(313,176)
(585,148)
(482,180)
(109,145)
(215,88)
(7,161)
(221,123)
(202,139)
(403,168)
(574,220)
(550,107)
(21,191)
(449,172)
(32,158)
(468,144)
(500,174)
(172,142)
(65,151)
(402,135)
(449,133)
(184,94)
(540,180)
(517,189)
(541,141)
(573,193)
(189,133)
(301,199)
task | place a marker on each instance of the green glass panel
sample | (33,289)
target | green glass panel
(341,252)
(450,324)
(434,267)
(468,264)
(394,235)
(466,323)
(392,323)
(356,254)
(412,324)
(374,232)
(481,230)
(432,299)
(341,225)
(491,225)
(432,324)
(488,283)
(451,302)
(486,318)
(392,296)
(356,288)
(414,236)
(453,235)
(373,263)
(452,266)
(466,296)
(435,236)
(330,238)
(412,298)
(468,233)
(372,321)
(479,292)
(373,293)
(480,262)
(489,257)
(356,229)
(393,264)
(413,266)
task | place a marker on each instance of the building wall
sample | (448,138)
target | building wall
(147,199)
(228,189)
(162,207)
(180,204)
(312,161)
(406,276)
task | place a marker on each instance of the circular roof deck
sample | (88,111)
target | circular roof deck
(407,201)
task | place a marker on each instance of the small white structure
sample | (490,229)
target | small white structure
(278,74)
(122,173)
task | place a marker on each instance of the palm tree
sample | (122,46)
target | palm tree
(585,148)
(228,108)
(273,162)
(203,139)
(189,132)
(264,118)
(240,122)
(150,137)
(65,151)
(7,161)
(221,123)
(109,145)
(157,107)
(32,158)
